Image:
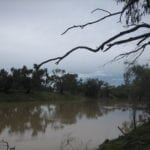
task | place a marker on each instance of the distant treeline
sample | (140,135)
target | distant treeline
(137,82)
(27,80)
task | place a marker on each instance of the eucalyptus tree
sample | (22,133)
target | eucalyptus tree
(39,77)
(5,81)
(91,88)
(57,80)
(16,76)
(3,78)
(138,80)
(26,78)
(70,82)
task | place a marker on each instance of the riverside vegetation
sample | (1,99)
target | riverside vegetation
(138,139)
(36,83)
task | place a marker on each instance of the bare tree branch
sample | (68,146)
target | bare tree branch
(90,23)
(99,20)
(65,55)
(127,40)
(105,43)
(142,40)
(123,33)
(123,55)
(133,14)
(141,52)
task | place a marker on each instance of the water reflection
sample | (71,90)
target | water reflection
(137,117)
(19,118)
(39,126)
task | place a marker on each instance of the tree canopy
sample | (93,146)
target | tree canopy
(137,79)
(131,15)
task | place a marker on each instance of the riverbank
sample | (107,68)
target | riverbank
(40,96)
(138,139)
(46,96)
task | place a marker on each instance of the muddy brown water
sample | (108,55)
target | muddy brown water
(38,126)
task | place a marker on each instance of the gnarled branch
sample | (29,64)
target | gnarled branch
(127,40)
(107,43)
(66,54)
(133,15)
(144,25)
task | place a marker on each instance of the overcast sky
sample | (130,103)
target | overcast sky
(30,32)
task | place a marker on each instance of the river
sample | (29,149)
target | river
(62,126)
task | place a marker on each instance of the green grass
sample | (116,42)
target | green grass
(138,139)
(39,96)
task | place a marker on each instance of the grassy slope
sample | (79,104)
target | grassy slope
(138,139)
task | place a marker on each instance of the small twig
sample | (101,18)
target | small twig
(123,55)
(90,23)
(141,41)
(135,59)
(121,131)
(100,10)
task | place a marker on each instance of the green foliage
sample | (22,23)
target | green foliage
(23,79)
(57,80)
(63,81)
(120,92)
(3,78)
(134,10)
(105,89)
(92,88)
(137,80)
(5,81)
(39,77)
(138,139)
(70,82)
(137,83)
